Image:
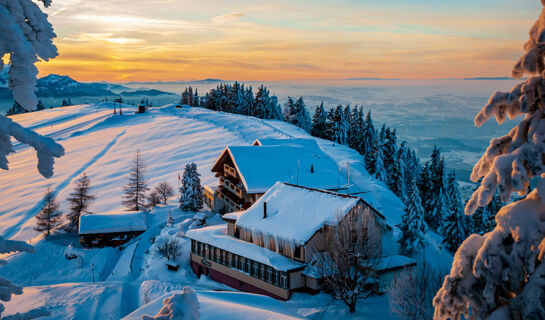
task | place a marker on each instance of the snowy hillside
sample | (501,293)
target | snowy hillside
(103,145)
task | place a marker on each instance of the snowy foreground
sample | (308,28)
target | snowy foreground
(113,283)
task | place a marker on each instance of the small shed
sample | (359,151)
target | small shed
(111,228)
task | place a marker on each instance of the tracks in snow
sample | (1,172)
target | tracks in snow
(12,231)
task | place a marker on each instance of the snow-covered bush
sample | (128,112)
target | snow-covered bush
(179,306)
(7,288)
(168,247)
(501,275)
(26,36)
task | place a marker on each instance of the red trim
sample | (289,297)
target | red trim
(231,282)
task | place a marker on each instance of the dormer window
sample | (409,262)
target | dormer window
(299,253)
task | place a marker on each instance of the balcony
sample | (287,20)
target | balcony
(228,201)
(230,170)
(232,187)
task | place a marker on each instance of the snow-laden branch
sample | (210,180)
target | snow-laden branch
(501,275)
(26,36)
(46,148)
(512,160)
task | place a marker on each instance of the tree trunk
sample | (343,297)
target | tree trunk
(352,307)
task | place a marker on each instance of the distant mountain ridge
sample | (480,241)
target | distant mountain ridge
(62,86)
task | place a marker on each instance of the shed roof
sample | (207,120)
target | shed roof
(112,222)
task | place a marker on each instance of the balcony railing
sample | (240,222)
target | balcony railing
(232,187)
(230,170)
(230,202)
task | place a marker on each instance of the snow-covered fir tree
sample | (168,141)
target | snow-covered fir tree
(378,167)
(49,216)
(135,191)
(500,275)
(396,180)
(389,150)
(454,227)
(191,191)
(355,131)
(40,105)
(296,113)
(425,187)
(79,201)
(370,143)
(319,122)
(16,108)
(339,126)
(413,226)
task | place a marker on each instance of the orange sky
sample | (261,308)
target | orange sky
(165,40)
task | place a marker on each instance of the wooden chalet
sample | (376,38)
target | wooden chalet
(270,248)
(246,172)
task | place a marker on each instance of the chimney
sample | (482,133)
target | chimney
(264,209)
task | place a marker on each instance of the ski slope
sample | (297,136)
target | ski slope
(103,146)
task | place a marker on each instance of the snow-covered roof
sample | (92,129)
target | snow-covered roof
(309,144)
(217,236)
(299,163)
(111,222)
(391,263)
(295,213)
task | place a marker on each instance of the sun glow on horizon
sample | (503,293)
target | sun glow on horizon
(149,41)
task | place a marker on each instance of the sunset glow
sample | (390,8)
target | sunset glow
(243,40)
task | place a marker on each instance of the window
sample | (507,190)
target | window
(299,253)
(229,259)
(284,280)
(261,272)
(206,251)
(222,257)
(193,246)
(274,277)
(268,274)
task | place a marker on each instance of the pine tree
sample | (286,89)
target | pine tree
(40,105)
(196,99)
(396,181)
(389,150)
(340,126)
(355,132)
(261,102)
(412,224)
(425,187)
(49,216)
(79,201)
(378,167)
(135,190)
(299,115)
(289,110)
(191,192)
(16,109)
(319,122)
(454,226)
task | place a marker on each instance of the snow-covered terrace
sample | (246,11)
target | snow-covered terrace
(112,222)
(217,236)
